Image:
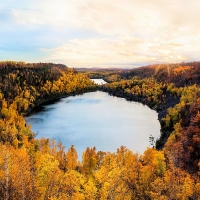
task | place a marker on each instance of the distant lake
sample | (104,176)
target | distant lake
(96,119)
(99,81)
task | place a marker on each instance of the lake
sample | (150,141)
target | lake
(99,81)
(96,119)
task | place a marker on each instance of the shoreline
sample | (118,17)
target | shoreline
(170,102)
(39,103)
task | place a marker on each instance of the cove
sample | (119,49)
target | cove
(96,119)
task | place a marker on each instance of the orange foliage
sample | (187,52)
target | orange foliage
(181,69)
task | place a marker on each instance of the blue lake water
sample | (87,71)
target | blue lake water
(97,119)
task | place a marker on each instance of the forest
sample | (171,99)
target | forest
(43,169)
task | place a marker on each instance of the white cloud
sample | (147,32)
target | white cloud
(117,52)
(128,31)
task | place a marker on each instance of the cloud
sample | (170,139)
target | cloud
(116,52)
(111,17)
(104,32)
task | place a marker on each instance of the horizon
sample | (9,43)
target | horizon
(104,67)
(103,34)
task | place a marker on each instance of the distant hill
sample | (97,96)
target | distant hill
(181,74)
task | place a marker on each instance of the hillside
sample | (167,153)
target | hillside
(25,86)
(42,169)
(180,74)
(173,90)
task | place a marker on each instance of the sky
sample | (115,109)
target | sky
(103,33)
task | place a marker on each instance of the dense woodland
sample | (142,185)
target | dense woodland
(44,169)
(180,74)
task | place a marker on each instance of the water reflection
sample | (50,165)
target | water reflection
(35,120)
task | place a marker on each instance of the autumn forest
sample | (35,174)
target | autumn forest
(43,169)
